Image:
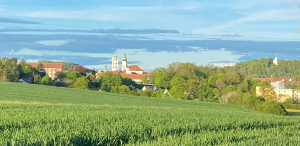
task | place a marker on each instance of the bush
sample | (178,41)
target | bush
(227,98)
(47,81)
(81,83)
(271,107)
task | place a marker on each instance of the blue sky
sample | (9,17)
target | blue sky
(152,33)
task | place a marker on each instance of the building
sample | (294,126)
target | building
(51,69)
(134,77)
(115,62)
(279,89)
(278,85)
(275,61)
(133,72)
(151,87)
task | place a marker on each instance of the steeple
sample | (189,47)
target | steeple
(125,59)
(275,60)
(105,68)
(124,63)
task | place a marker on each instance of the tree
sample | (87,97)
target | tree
(205,91)
(178,89)
(73,75)
(47,81)
(61,75)
(123,89)
(109,80)
(41,67)
(81,83)
(81,70)
(93,81)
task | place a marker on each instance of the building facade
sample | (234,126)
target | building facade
(51,69)
(115,62)
(279,90)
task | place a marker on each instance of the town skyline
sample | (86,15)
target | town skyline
(153,34)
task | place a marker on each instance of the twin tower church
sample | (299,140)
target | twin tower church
(133,69)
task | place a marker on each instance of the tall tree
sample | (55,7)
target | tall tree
(81,70)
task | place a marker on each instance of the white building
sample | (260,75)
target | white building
(275,61)
(115,62)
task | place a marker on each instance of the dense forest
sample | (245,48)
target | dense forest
(265,68)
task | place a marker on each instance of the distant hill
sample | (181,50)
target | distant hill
(265,68)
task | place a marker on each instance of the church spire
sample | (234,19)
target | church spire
(125,57)
(275,61)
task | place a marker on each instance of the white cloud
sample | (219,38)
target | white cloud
(32,52)
(148,60)
(36,60)
(223,64)
(53,42)
(105,13)
(151,60)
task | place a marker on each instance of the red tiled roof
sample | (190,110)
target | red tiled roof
(127,66)
(272,79)
(135,68)
(279,79)
(48,65)
(132,76)
(283,78)
(116,72)
(292,82)
(262,79)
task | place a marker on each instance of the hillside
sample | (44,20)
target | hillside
(265,68)
(43,115)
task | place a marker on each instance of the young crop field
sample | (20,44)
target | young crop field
(42,115)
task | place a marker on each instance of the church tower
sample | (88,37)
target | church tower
(124,62)
(115,62)
(275,60)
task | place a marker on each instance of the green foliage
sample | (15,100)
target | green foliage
(81,83)
(205,91)
(178,89)
(9,71)
(73,75)
(109,80)
(259,104)
(46,80)
(265,68)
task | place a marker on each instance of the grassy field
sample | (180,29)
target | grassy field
(42,115)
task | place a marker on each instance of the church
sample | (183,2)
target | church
(133,71)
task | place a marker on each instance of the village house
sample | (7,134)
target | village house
(279,89)
(50,68)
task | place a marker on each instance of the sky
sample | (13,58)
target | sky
(152,33)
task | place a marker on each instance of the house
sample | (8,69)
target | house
(134,77)
(151,87)
(26,80)
(50,68)
(279,89)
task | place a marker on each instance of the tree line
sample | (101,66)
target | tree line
(231,85)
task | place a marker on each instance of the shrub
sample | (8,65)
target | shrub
(272,107)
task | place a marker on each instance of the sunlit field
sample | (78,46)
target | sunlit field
(43,115)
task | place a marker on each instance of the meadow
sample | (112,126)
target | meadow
(44,115)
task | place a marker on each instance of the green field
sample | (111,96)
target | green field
(43,115)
